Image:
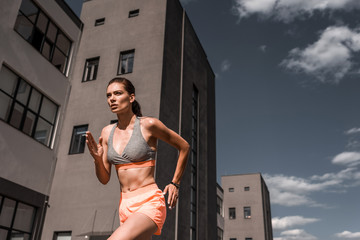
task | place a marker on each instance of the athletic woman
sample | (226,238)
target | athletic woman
(130,145)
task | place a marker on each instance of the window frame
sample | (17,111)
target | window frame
(56,234)
(86,71)
(232,216)
(73,136)
(119,71)
(247,212)
(26,109)
(99,22)
(11,228)
(38,38)
(134,13)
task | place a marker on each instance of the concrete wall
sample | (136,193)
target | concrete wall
(79,203)
(195,71)
(28,162)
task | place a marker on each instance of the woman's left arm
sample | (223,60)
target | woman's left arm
(160,131)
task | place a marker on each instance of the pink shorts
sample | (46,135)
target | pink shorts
(148,200)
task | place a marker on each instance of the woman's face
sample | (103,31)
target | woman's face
(118,98)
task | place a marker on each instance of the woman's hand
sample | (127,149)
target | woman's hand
(96,149)
(173,195)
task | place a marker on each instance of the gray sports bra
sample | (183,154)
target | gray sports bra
(136,150)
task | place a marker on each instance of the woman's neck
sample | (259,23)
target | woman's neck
(124,120)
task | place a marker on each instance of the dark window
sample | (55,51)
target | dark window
(91,69)
(16,219)
(134,13)
(232,213)
(248,239)
(126,62)
(100,21)
(25,108)
(194,163)
(41,32)
(220,234)
(246,188)
(231,189)
(78,139)
(232,238)
(219,205)
(247,212)
(62,235)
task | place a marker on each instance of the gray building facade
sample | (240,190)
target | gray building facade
(38,41)
(247,212)
(153,44)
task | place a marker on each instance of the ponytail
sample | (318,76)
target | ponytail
(136,108)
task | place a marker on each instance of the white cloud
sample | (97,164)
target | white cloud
(288,10)
(291,221)
(347,158)
(346,174)
(328,59)
(296,234)
(348,235)
(352,131)
(292,191)
(225,65)
(263,48)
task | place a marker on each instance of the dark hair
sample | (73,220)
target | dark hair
(129,87)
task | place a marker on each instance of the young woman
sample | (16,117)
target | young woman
(130,145)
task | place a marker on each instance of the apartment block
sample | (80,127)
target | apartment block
(38,41)
(246,203)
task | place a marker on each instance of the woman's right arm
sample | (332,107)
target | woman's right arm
(99,152)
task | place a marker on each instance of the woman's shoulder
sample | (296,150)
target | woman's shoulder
(149,122)
(107,129)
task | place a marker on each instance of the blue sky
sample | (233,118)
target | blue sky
(288,106)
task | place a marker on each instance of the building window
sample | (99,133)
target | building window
(194,163)
(247,212)
(219,205)
(246,189)
(41,32)
(232,238)
(248,239)
(16,219)
(220,234)
(25,108)
(91,69)
(62,235)
(232,213)
(134,13)
(78,139)
(100,21)
(231,189)
(126,62)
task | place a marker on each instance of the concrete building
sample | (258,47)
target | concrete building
(246,207)
(152,43)
(220,212)
(38,41)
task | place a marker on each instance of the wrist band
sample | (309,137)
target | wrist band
(175,184)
